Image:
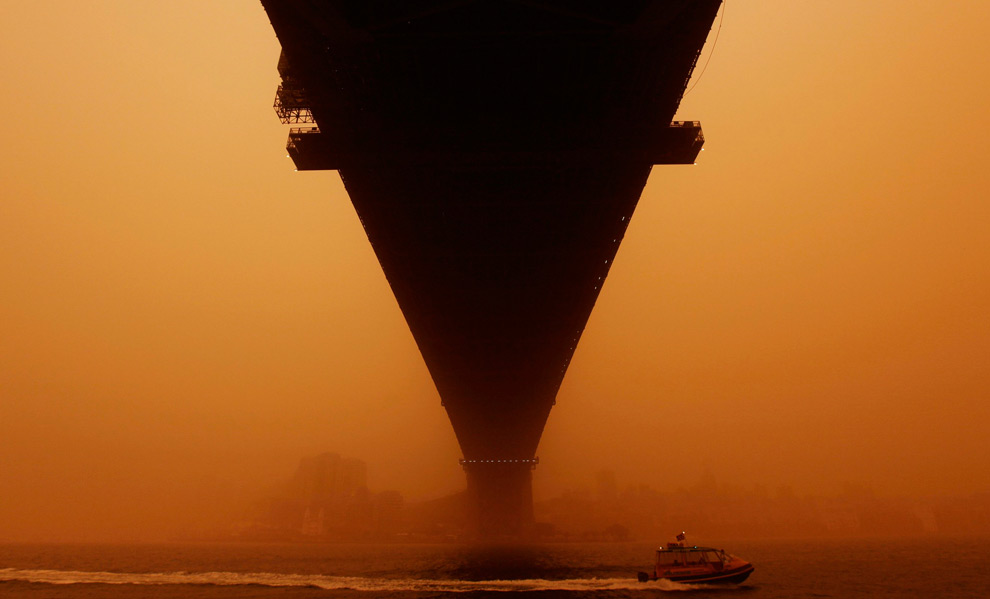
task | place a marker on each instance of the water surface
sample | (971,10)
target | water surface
(950,568)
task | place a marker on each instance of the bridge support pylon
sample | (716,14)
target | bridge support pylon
(500,497)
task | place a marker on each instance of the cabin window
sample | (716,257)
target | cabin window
(665,558)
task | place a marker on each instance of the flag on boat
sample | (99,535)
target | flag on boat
(681,537)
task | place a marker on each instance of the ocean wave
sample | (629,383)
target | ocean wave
(352,583)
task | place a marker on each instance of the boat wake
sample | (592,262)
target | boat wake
(317,581)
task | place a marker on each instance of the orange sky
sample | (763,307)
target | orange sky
(182,316)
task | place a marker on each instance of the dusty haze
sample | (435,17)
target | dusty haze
(183,317)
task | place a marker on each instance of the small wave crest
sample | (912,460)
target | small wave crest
(352,583)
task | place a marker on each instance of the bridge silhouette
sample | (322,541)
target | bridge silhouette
(495,151)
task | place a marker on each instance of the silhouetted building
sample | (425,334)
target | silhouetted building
(328,497)
(607,489)
(328,476)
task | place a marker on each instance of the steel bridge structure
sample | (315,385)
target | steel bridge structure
(495,151)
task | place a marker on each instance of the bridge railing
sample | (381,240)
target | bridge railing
(291,104)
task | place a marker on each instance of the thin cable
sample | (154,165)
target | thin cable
(725,4)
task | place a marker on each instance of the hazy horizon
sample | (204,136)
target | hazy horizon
(183,317)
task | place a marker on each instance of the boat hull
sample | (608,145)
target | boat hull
(729,576)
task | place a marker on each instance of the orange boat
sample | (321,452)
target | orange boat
(680,563)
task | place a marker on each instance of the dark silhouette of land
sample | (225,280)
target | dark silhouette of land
(495,153)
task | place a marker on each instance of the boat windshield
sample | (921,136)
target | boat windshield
(667,558)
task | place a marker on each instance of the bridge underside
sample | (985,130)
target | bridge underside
(495,152)
(496,275)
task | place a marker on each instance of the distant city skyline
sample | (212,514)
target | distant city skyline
(320,501)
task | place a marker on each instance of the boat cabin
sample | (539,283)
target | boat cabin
(680,557)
